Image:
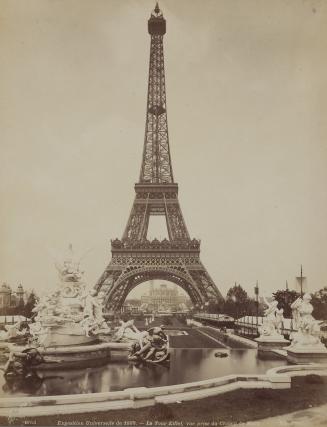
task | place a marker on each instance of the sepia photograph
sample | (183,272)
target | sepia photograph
(163,215)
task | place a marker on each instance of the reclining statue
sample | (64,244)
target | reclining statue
(153,348)
(19,364)
(16,331)
(127,331)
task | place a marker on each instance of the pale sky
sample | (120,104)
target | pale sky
(247,105)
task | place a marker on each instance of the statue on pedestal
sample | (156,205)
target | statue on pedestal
(273,321)
(308,327)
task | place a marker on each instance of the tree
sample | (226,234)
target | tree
(237,302)
(20,306)
(30,304)
(285,298)
(319,302)
(214,306)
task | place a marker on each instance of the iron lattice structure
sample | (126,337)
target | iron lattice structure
(134,258)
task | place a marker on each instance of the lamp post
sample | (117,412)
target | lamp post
(235,312)
(256,292)
(286,308)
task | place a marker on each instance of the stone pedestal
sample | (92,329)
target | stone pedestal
(307,354)
(268,344)
(272,342)
(65,335)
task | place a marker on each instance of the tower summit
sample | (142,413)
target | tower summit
(135,259)
(156,22)
(156,165)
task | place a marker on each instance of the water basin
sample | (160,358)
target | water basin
(187,365)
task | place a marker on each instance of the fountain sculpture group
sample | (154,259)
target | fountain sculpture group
(69,330)
(305,345)
(71,315)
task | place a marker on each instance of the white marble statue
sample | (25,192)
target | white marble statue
(46,310)
(70,314)
(90,304)
(308,327)
(273,320)
(69,269)
(93,321)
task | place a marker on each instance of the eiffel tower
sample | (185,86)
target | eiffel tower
(135,259)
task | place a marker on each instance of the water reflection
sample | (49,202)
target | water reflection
(29,385)
(186,365)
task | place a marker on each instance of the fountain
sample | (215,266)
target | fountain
(67,323)
(71,315)
(69,330)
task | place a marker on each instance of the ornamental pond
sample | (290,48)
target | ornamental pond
(186,365)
